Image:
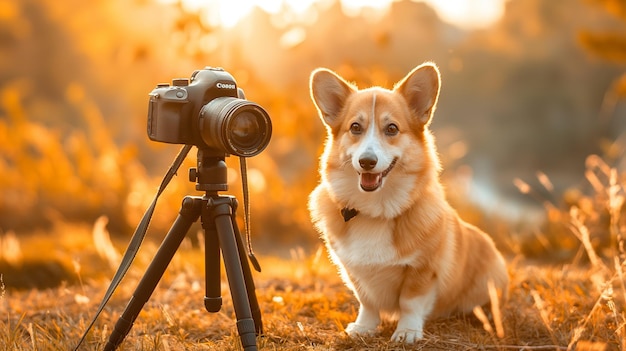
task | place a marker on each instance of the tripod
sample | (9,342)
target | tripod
(217,214)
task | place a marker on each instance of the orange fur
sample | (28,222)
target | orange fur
(407,253)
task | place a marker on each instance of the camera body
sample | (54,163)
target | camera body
(208,110)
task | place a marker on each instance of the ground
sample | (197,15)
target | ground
(306,307)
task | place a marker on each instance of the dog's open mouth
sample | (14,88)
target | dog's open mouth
(373,181)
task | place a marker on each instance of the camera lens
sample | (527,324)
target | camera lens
(236,126)
(244,129)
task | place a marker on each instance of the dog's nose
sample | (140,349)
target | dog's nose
(368,161)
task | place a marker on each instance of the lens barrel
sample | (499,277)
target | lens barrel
(237,126)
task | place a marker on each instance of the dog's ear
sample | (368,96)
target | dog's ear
(329,92)
(420,88)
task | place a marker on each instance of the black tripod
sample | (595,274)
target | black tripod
(217,214)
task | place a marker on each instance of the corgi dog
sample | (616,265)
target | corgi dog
(382,211)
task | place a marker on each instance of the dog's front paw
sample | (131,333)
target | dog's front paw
(407,336)
(354,329)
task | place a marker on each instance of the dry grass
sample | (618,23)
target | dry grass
(578,305)
(305,307)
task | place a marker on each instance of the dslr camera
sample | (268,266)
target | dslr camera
(208,110)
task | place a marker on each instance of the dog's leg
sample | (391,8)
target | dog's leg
(413,312)
(366,321)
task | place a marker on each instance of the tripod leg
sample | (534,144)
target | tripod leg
(222,212)
(213,298)
(247,275)
(189,213)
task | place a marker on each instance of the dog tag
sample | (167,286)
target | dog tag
(348,213)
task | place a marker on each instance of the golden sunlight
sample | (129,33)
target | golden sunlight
(469,13)
(227,13)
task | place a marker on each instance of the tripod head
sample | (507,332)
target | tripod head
(211,173)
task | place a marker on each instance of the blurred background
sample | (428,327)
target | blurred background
(530,89)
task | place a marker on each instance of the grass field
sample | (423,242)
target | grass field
(305,307)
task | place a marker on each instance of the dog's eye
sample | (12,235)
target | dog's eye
(392,130)
(355,128)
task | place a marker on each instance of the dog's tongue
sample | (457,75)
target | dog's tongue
(370,181)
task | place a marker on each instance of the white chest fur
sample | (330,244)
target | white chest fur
(367,253)
(368,242)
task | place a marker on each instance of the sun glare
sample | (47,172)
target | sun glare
(227,13)
(469,13)
(357,7)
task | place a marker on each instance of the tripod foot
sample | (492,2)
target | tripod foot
(247,334)
(213,304)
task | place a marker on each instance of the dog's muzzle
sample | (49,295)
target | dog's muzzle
(373,181)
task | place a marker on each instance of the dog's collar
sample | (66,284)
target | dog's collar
(348,213)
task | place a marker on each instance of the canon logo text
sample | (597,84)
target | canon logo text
(225,86)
